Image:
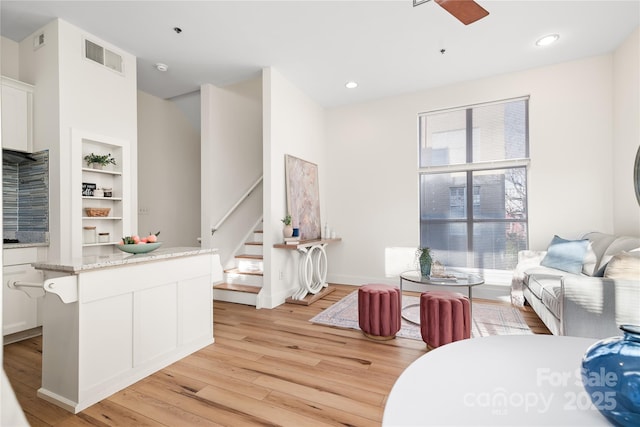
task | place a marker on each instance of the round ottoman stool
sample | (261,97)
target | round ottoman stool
(379,311)
(444,317)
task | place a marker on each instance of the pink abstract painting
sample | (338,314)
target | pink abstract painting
(303,196)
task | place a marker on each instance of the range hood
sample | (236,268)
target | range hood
(12,156)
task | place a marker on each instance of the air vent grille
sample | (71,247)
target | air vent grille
(102,56)
(38,41)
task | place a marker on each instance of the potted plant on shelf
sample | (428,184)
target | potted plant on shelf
(423,257)
(98,161)
(287,231)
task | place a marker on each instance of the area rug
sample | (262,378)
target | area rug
(488,319)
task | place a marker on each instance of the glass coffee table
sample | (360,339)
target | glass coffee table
(460,280)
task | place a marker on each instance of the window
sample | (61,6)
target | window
(478,154)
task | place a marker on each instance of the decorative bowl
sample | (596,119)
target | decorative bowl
(141,248)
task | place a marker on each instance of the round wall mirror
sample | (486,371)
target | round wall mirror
(636,176)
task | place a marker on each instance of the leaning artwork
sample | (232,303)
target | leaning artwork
(303,196)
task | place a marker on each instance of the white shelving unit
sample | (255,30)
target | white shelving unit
(116,177)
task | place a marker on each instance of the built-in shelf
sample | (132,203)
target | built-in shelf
(102,217)
(115,177)
(115,199)
(108,172)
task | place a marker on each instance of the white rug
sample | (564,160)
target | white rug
(488,319)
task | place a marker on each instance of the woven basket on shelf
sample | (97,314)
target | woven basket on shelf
(97,211)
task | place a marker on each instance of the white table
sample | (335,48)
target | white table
(514,380)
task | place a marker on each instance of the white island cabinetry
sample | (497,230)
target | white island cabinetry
(111,321)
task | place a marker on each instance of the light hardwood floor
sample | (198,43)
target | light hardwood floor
(267,367)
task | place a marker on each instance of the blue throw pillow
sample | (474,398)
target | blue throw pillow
(566,255)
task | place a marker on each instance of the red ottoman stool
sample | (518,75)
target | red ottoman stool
(379,311)
(444,317)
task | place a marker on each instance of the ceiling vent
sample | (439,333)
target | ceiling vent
(38,41)
(102,56)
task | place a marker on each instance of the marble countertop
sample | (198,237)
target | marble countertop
(84,264)
(24,245)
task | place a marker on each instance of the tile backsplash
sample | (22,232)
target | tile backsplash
(25,197)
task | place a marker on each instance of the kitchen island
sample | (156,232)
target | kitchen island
(110,321)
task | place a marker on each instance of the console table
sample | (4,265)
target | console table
(508,380)
(312,270)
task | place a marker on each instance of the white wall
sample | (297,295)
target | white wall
(75,93)
(231,162)
(9,408)
(168,173)
(372,151)
(40,68)
(9,58)
(293,124)
(626,134)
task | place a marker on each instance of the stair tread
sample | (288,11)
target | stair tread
(237,287)
(237,271)
(247,256)
(253,243)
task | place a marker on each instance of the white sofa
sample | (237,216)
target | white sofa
(592,302)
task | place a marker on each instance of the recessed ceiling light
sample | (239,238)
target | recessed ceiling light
(351,85)
(547,40)
(161,67)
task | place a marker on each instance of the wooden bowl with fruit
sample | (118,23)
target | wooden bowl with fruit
(136,245)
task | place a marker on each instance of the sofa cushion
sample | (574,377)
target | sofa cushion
(590,261)
(536,282)
(551,299)
(547,288)
(599,243)
(566,255)
(624,243)
(625,265)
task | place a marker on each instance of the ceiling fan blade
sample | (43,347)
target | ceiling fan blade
(466,11)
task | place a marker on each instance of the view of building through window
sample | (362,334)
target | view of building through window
(473,184)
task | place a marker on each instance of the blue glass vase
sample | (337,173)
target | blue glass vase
(425,268)
(611,376)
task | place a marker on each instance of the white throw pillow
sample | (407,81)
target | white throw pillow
(625,265)
(589,262)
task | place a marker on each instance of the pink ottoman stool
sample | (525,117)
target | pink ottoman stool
(379,311)
(444,317)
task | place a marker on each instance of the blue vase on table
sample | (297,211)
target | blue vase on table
(425,269)
(611,375)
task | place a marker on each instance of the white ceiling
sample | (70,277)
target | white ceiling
(388,47)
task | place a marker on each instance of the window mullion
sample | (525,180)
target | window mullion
(469,189)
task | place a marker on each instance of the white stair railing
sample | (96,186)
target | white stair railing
(238,203)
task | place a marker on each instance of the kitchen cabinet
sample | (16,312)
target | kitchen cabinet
(111,321)
(17,115)
(114,177)
(20,310)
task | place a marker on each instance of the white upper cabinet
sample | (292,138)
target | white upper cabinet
(17,115)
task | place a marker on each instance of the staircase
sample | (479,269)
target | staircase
(243,282)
